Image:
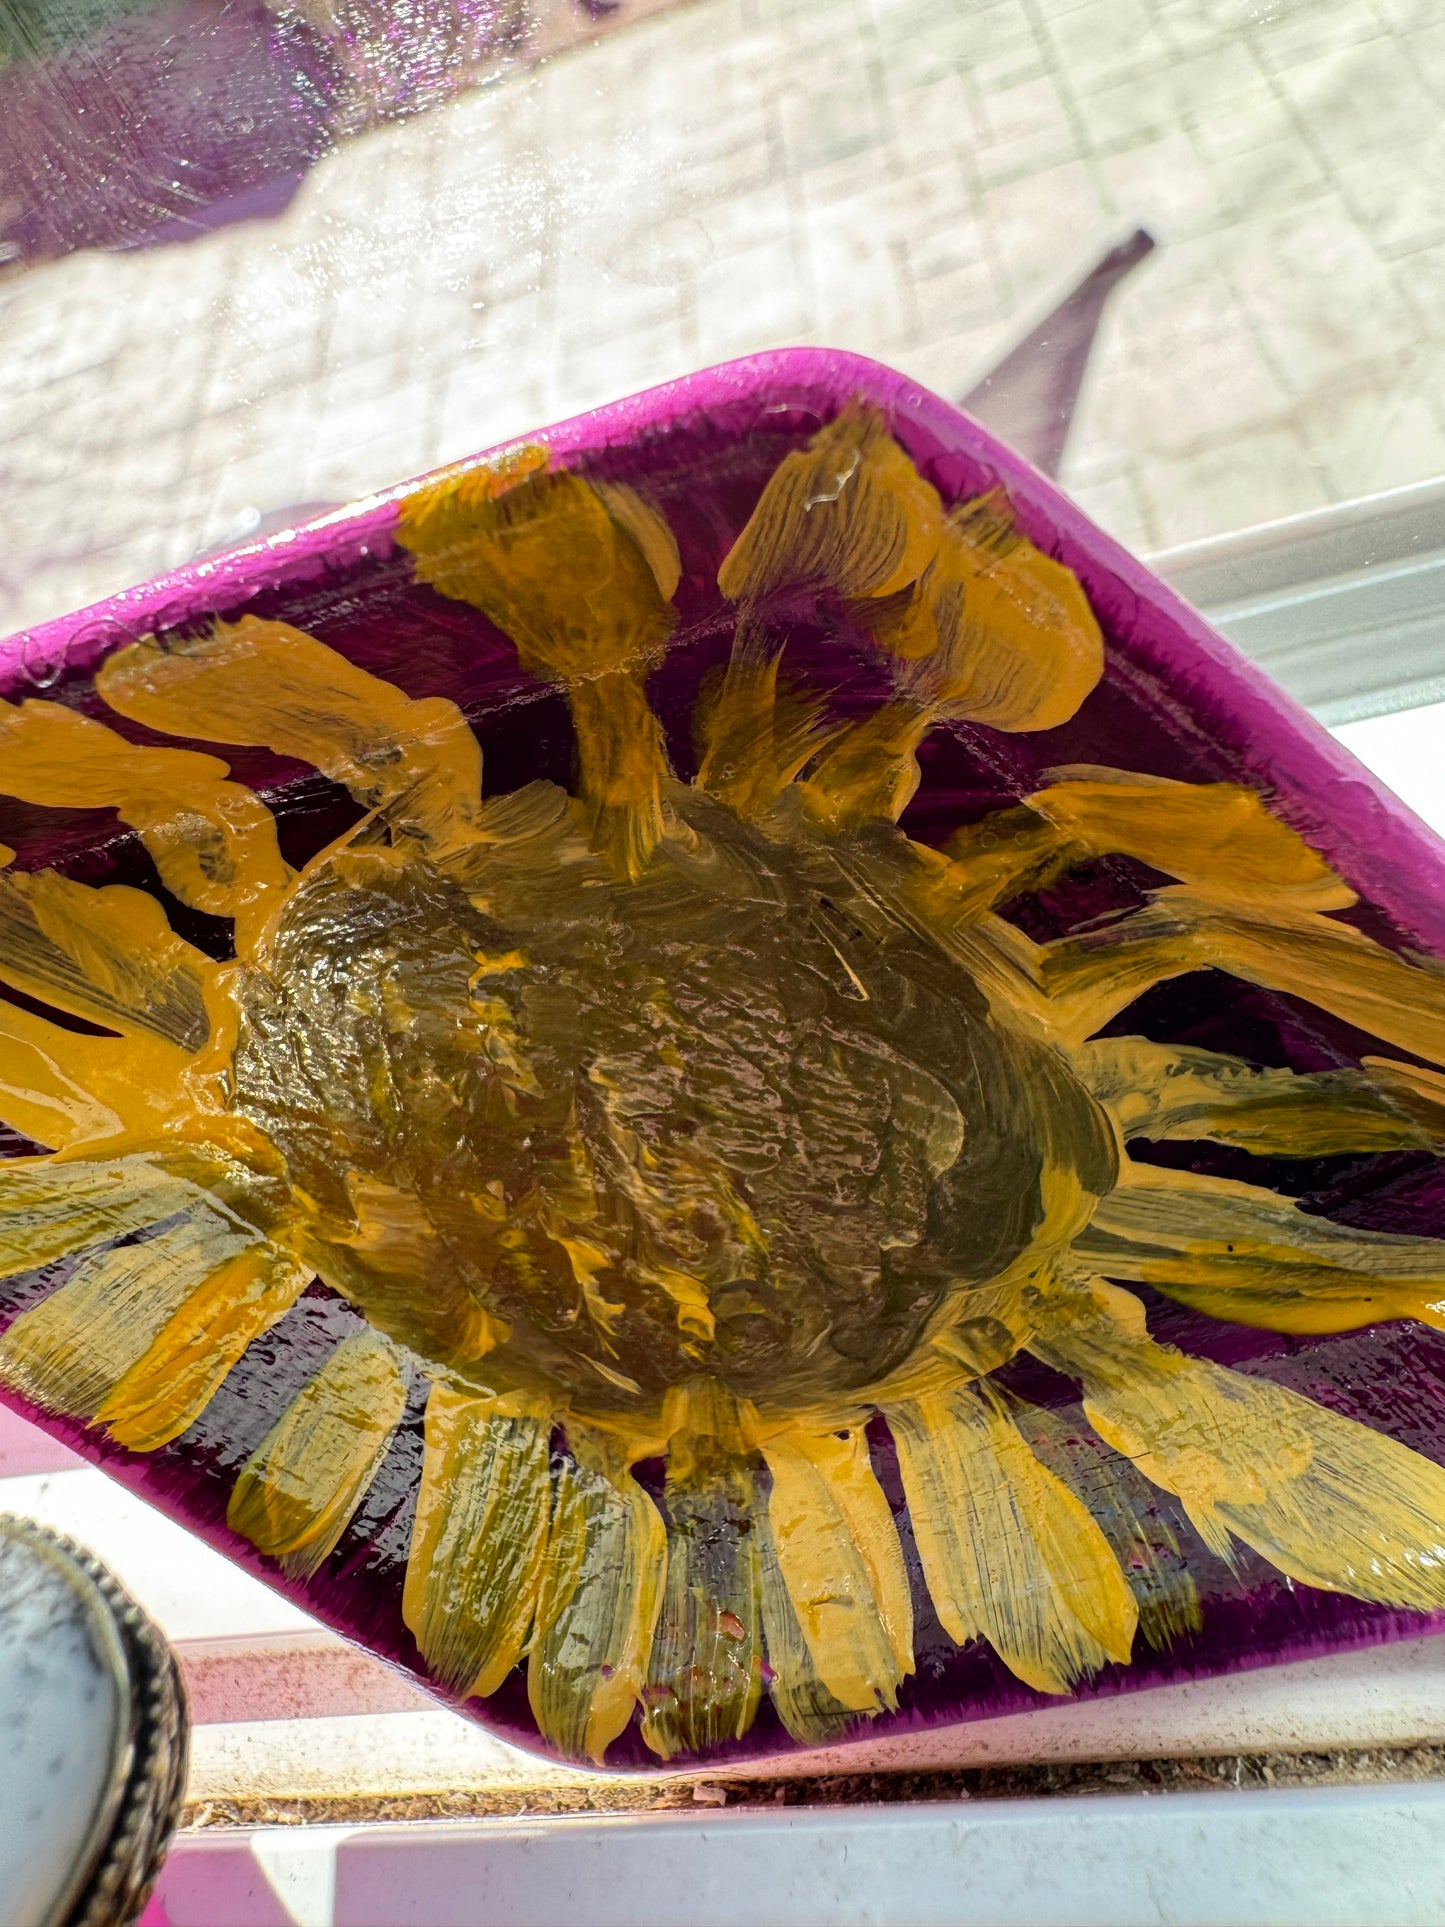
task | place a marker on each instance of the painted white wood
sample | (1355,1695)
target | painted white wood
(1332,1858)
(188,1589)
(1344,606)
(1390,1696)
(1403,750)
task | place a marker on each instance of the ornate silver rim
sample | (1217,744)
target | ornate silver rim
(126,1856)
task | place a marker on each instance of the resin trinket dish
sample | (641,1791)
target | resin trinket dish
(718,1081)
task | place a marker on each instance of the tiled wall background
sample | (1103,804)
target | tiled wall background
(907,178)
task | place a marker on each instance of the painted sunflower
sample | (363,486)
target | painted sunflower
(705,1124)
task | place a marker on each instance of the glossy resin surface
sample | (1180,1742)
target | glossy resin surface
(740,1090)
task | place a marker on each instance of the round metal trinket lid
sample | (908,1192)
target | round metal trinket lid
(93,1738)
